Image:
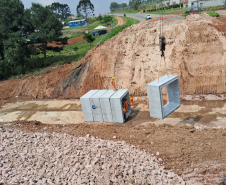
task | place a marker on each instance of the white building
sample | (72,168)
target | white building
(172,2)
(205,3)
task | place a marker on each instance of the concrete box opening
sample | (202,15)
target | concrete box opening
(154,89)
(164,96)
(117,105)
(126,98)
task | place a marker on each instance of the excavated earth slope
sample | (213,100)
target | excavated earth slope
(195,51)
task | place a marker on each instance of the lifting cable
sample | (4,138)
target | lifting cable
(162,43)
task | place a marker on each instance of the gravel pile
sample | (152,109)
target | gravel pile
(43,158)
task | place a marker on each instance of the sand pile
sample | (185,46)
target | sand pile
(36,158)
(195,51)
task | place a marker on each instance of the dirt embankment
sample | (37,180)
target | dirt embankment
(195,51)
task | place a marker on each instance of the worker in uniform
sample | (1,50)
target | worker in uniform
(131,99)
(166,98)
(147,102)
(126,104)
(113,83)
(125,107)
(124,112)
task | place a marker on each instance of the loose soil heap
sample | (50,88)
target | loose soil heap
(195,51)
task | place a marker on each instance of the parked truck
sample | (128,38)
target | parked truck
(99,32)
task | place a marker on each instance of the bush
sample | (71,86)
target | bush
(213,14)
(184,14)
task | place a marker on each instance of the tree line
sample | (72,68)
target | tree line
(132,3)
(24,33)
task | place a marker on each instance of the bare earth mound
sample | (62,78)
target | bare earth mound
(195,51)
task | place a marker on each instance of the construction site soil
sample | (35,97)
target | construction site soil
(69,41)
(197,154)
(195,51)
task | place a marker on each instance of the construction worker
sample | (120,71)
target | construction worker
(126,104)
(125,107)
(124,112)
(113,83)
(147,102)
(166,98)
(131,99)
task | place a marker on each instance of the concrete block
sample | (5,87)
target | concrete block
(96,106)
(117,105)
(105,105)
(86,107)
(154,90)
(105,102)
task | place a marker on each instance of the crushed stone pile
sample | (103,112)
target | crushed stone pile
(195,50)
(43,158)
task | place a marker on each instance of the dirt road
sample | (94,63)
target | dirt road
(121,21)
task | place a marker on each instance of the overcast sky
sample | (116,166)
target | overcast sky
(100,6)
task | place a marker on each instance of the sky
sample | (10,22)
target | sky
(100,6)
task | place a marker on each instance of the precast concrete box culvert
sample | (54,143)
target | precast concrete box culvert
(154,91)
(105,105)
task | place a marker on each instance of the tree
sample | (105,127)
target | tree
(47,27)
(107,19)
(114,6)
(89,38)
(62,11)
(124,5)
(100,18)
(76,49)
(136,4)
(85,7)
(11,44)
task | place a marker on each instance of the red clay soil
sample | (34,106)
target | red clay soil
(70,42)
(132,58)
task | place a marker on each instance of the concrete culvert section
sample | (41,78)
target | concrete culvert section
(43,158)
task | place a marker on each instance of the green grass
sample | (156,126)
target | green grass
(213,13)
(169,11)
(184,14)
(126,12)
(114,20)
(78,31)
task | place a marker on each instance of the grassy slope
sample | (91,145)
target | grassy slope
(78,31)
(182,10)
(126,12)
